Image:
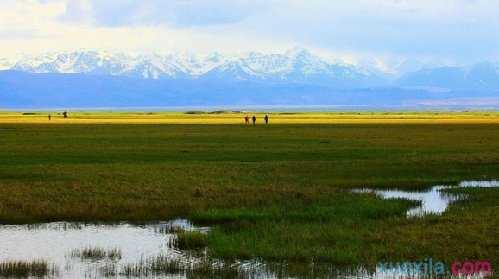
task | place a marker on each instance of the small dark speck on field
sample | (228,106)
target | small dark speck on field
(325,141)
(299,195)
(197,193)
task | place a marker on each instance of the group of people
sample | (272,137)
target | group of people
(64,115)
(253,119)
(246,118)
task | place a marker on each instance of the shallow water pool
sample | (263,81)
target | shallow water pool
(85,250)
(434,200)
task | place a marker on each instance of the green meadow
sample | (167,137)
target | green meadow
(277,192)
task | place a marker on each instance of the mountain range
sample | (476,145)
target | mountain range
(295,77)
(296,66)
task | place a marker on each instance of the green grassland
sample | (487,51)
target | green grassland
(278,192)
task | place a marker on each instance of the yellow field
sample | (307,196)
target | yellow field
(238,118)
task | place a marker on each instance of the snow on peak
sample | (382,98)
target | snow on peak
(294,64)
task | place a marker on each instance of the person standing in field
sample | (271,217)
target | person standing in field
(254,120)
(50,117)
(266,119)
(65,114)
(246,120)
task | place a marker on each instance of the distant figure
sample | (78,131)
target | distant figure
(254,120)
(266,119)
(246,120)
(65,114)
(50,117)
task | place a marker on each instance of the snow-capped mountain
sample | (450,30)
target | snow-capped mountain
(295,77)
(296,65)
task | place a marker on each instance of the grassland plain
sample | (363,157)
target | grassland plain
(279,192)
(236,117)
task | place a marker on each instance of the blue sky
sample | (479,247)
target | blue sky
(386,31)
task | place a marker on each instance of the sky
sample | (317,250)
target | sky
(387,32)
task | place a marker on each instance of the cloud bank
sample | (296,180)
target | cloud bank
(394,31)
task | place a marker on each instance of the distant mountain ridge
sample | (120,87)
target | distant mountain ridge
(296,77)
(296,65)
(481,76)
(293,66)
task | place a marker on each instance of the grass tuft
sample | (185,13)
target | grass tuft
(164,266)
(189,240)
(26,269)
(96,254)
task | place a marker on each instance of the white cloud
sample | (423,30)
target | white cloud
(180,13)
(28,26)
(355,30)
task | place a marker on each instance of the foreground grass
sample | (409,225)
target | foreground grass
(163,266)
(277,192)
(38,269)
